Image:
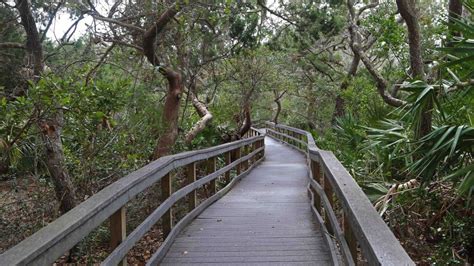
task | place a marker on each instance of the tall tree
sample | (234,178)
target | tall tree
(50,124)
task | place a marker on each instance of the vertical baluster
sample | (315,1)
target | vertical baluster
(211,168)
(228,160)
(118,230)
(245,162)
(191,178)
(316,170)
(237,156)
(329,193)
(252,149)
(350,238)
(292,140)
(166,190)
(300,145)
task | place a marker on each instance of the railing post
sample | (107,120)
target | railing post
(300,137)
(350,238)
(329,194)
(191,178)
(211,168)
(316,170)
(253,147)
(245,163)
(118,230)
(228,160)
(237,156)
(166,190)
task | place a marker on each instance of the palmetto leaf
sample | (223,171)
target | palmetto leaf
(423,97)
(453,144)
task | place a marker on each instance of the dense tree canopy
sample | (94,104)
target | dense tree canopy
(91,90)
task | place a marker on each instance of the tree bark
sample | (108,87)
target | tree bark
(247,123)
(166,141)
(409,12)
(339,109)
(33,43)
(55,161)
(201,108)
(381,83)
(175,87)
(277,113)
(277,100)
(50,128)
(454,11)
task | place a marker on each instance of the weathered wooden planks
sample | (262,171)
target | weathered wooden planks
(54,240)
(362,226)
(266,218)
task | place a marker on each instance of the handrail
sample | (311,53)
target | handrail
(362,226)
(54,240)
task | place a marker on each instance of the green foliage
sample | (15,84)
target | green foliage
(447,149)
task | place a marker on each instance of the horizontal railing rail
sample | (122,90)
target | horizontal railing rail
(362,234)
(51,242)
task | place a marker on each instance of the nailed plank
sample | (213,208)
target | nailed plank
(267,217)
(52,241)
(244,259)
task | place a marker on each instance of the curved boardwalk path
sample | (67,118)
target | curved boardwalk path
(264,220)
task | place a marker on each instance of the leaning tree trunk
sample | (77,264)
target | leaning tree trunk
(277,100)
(247,123)
(278,110)
(170,115)
(50,128)
(203,112)
(166,141)
(55,161)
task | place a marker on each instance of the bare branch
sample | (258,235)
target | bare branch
(53,15)
(101,61)
(12,45)
(120,23)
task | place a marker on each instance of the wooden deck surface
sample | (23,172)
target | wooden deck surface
(264,220)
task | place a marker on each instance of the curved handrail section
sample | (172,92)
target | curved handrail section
(362,234)
(57,238)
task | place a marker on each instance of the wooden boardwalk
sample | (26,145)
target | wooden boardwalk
(264,220)
(266,217)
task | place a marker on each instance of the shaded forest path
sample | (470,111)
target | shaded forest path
(265,219)
(269,205)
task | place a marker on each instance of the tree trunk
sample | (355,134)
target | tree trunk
(277,113)
(409,12)
(277,100)
(201,108)
(55,161)
(247,123)
(50,129)
(339,109)
(170,115)
(454,11)
(33,43)
(381,82)
(166,141)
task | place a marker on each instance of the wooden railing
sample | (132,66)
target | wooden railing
(359,231)
(54,240)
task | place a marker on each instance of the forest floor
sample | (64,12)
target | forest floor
(27,205)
